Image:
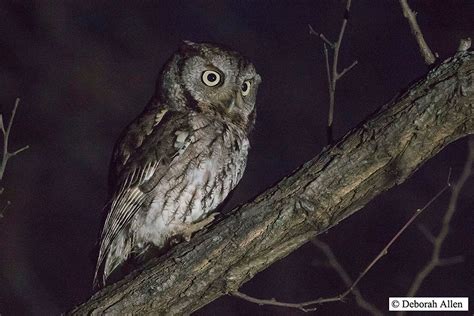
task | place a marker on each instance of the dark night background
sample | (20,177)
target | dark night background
(85,69)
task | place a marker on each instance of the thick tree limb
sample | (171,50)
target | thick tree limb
(380,153)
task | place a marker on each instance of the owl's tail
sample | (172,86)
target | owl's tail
(111,264)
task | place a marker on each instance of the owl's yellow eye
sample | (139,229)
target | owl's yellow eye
(211,78)
(245,88)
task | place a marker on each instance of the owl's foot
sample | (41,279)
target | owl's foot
(194,227)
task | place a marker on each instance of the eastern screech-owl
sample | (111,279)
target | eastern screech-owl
(182,156)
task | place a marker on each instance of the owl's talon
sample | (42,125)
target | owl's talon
(174,240)
(197,226)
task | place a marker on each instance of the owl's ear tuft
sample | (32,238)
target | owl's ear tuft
(189,46)
(189,43)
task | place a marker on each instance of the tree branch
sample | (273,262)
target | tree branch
(321,36)
(438,241)
(309,306)
(351,286)
(333,74)
(425,50)
(334,263)
(6,154)
(381,152)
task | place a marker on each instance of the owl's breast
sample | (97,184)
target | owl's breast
(196,181)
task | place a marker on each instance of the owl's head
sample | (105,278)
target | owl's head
(210,79)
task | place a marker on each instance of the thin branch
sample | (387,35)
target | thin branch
(385,249)
(5,207)
(273,302)
(334,263)
(304,306)
(331,91)
(450,261)
(438,241)
(333,74)
(338,44)
(321,36)
(425,51)
(6,154)
(309,305)
(343,72)
(328,68)
(428,235)
(16,152)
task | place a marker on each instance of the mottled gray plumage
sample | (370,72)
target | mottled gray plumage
(182,156)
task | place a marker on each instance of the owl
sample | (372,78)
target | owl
(180,158)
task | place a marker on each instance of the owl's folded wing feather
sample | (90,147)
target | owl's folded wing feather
(136,164)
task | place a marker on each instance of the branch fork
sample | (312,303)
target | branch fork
(6,155)
(333,75)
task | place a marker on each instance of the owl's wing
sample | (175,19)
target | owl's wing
(148,146)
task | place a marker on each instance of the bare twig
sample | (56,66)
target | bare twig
(4,208)
(450,261)
(6,134)
(435,260)
(345,70)
(416,31)
(310,305)
(428,235)
(334,263)
(333,74)
(321,36)
(397,235)
(331,92)
(273,302)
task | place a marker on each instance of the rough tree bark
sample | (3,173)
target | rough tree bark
(381,152)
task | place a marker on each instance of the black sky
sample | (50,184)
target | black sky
(85,69)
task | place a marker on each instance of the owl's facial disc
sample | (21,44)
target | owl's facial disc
(216,81)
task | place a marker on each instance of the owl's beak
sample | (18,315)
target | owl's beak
(235,100)
(231,104)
